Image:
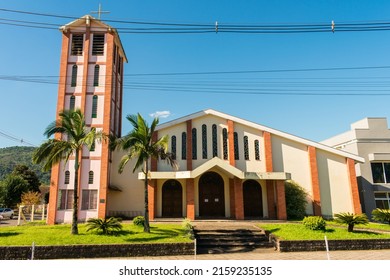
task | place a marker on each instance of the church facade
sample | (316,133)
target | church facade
(227,167)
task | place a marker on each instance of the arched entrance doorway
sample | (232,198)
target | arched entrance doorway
(253,199)
(172,199)
(211,195)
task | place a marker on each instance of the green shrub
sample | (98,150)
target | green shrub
(351,219)
(104,226)
(381,215)
(314,223)
(139,221)
(295,200)
(188,227)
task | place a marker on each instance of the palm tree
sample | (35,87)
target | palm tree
(72,135)
(139,144)
(351,219)
(381,215)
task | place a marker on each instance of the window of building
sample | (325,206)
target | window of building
(94,106)
(72,103)
(246,148)
(93,146)
(215,140)
(173,146)
(184,145)
(204,141)
(74,76)
(225,143)
(77,44)
(380,172)
(96,76)
(194,144)
(98,44)
(90,177)
(382,200)
(65,199)
(89,199)
(257,150)
(236,150)
(67,176)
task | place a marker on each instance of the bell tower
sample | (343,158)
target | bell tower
(91,79)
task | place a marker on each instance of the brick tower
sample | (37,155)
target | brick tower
(91,78)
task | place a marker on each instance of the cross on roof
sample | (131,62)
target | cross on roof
(99,12)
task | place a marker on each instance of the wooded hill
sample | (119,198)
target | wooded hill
(20,155)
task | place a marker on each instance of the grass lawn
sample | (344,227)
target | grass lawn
(60,235)
(296,231)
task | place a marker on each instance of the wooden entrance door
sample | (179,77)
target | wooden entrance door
(172,199)
(211,195)
(253,199)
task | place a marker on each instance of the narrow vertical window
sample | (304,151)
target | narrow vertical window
(72,103)
(77,44)
(94,106)
(89,200)
(184,145)
(67,176)
(69,199)
(257,150)
(96,76)
(225,143)
(74,76)
(236,150)
(173,146)
(98,44)
(90,177)
(204,141)
(92,149)
(194,144)
(215,140)
(246,148)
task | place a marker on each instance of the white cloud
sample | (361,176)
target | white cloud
(160,114)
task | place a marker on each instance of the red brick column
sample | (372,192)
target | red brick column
(354,186)
(271,199)
(315,184)
(190,198)
(269,168)
(230,124)
(232,200)
(238,199)
(281,200)
(152,198)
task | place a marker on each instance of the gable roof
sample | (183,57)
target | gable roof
(262,128)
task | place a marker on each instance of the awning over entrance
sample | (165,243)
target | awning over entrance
(219,164)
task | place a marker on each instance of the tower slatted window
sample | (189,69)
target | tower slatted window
(98,44)
(225,143)
(215,140)
(236,150)
(92,149)
(74,76)
(184,145)
(96,74)
(204,141)
(77,44)
(194,144)
(72,103)
(90,177)
(173,146)
(94,106)
(67,177)
(246,148)
(257,150)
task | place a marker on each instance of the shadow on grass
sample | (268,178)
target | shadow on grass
(155,234)
(365,232)
(7,234)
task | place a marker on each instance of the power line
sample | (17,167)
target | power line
(14,138)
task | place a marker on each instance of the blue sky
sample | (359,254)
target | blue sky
(27,108)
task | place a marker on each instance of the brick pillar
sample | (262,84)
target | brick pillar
(230,124)
(269,168)
(315,184)
(281,200)
(271,199)
(354,186)
(152,195)
(238,199)
(232,200)
(190,195)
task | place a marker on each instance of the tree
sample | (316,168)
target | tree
(104,226)
(11,189)
(351,219)
(295,200)
(139,145)
(381,215)
(72,135)
(29,176)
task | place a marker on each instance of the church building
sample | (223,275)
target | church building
(227,167)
